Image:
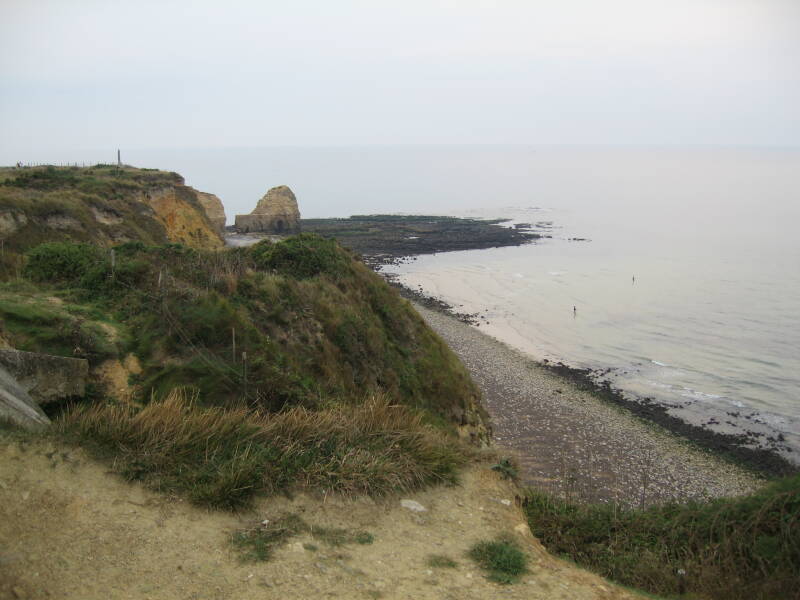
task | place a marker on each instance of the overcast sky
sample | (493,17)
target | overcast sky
(80,74)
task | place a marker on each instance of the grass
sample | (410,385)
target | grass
(310,339)
(738,548)
(508,468)
(258,543)
(440,561)
(223,458)
(502,558)
(37,199)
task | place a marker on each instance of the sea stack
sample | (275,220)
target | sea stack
(276,213)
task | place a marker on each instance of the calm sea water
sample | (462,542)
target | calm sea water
(711,323)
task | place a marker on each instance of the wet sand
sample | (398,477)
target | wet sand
(569,442)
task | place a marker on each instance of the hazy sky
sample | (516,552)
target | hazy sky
(138,74)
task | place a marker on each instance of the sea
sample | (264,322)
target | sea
(673,272)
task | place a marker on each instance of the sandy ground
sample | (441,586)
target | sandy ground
(71,530)
(570,443)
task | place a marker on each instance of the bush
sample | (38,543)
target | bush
(739,548)
(61,261)
(502,558)
(302,256)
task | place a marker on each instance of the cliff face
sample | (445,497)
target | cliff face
(214,209)
(276,212)
(184,219)
(106,206)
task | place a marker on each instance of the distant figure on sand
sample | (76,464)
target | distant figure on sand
(633,279)
(574,311)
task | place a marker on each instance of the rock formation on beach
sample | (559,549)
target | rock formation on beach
(275,213)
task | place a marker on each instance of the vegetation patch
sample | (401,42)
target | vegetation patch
(440,561)
(507,468)
(502,558)
(258,543)
(222,457)
(738,548)
(240,330)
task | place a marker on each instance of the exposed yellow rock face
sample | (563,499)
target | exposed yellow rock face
(214,209)
(276,212)
(180,212)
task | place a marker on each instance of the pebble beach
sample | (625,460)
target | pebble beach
(573,444)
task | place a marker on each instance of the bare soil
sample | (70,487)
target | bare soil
(71,530)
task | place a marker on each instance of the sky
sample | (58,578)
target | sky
(80,74)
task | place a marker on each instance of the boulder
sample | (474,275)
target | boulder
(44,377)
(276,213)
(16,405)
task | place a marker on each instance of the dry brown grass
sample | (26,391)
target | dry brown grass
(223,457)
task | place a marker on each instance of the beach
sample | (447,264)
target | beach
(569,442)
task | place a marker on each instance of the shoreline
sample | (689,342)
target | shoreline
(572,443)
(735,447)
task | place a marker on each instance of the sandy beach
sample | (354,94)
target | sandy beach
(569,442)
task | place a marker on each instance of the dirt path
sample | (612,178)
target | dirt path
(71,530)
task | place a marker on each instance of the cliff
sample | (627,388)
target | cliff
(214,209)
(103,205)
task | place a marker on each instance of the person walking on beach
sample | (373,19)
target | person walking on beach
(574,311)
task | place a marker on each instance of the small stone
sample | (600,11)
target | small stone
(265,522)
(523,529)
(413,505)
(505,502)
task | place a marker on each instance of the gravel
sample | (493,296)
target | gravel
(570,443)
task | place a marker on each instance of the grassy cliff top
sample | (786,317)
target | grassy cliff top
(90,179)
(102,205)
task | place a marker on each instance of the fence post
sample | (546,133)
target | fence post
(244,370)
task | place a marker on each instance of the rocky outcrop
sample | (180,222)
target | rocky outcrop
(46,378)
(105,206)
(214,210)
(181,213)
(16,405)
(275,213)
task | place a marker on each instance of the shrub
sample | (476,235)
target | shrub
(61,261)
(738,548)
(302,256)
(502,558)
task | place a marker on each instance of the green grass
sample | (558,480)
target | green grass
(258,543)
(507,468)
(223,458)
(739,548)
(502,558)
(335,336)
